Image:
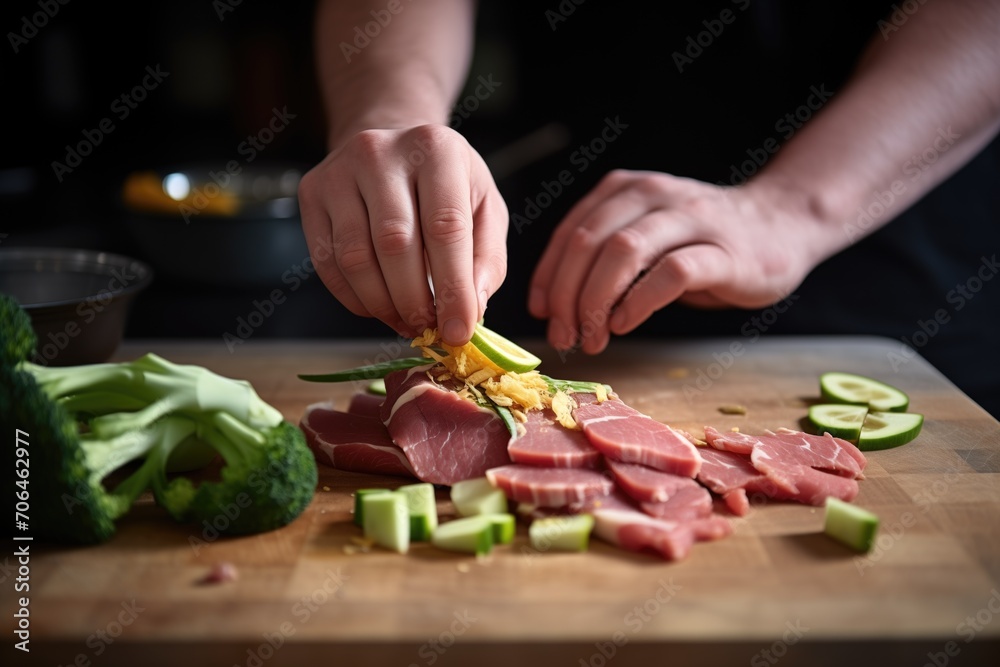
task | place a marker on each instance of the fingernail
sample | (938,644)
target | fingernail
(454,332)
(560,335)
(617,322)
(536,300)
(483,298)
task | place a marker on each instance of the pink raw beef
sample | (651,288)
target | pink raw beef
(547,443)
(624,434)
(549,487)
(369,405)
(352,442)
(732,475)
(445,437)
(619,522)
(803,467)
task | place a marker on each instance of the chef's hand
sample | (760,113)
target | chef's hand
(390,206)
(641,240)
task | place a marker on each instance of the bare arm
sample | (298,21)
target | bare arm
(401,195)
(408,74)
(933,86)
(923,101)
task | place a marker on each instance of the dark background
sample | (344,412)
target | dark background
(557,88)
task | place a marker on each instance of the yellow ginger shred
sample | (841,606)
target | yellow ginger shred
(562,405)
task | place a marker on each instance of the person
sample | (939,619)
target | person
(401,196)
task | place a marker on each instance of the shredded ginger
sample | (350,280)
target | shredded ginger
(521,392)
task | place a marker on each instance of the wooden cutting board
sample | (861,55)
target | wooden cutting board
(776,589)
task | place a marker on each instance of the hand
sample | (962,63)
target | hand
(389,207)
(641,240)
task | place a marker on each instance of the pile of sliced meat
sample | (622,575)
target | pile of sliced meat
(647,485)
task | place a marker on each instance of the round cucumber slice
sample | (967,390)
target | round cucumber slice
(839,420)
(504,353)
(861,390)
(884,430)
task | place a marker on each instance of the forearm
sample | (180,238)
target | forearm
(408,74)
(933,86)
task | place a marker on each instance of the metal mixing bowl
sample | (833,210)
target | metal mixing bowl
(78,300)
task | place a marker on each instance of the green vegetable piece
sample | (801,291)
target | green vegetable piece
(359,509)
(561,533)
(474,534)
(861,390)
(422,506)
(838,419)
(386,520)
(370,372)
(504,527)
(885,430)
(377,387)
(145,411)
(850,525)
(477,496)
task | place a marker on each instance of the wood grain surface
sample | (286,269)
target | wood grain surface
(776,590)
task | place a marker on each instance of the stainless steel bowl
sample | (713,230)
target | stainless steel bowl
(78,300)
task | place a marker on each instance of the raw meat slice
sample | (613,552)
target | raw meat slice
(445,437)
(624,434)
(645,484)
(549,487)
(547,443)
(691,501)
(368,405)
(732,475)
(352,442)
(617,521)
(803,467)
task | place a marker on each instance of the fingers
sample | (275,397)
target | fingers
(539,302)
(691,268)
(445,210)
(318,230)
(582,247)
(395,236)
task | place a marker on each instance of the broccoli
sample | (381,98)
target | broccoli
(86,422)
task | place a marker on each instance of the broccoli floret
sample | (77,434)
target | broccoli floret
(84,423)
(269,477)
(17,338)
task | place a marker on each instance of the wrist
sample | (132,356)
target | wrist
(817,223)
(341,132)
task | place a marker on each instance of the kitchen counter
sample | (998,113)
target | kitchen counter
(777,589)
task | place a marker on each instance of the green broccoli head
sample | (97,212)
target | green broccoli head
(17,338)
(66,506)
(268,480)
(82,425)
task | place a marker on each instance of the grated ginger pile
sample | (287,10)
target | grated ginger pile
(519,392)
